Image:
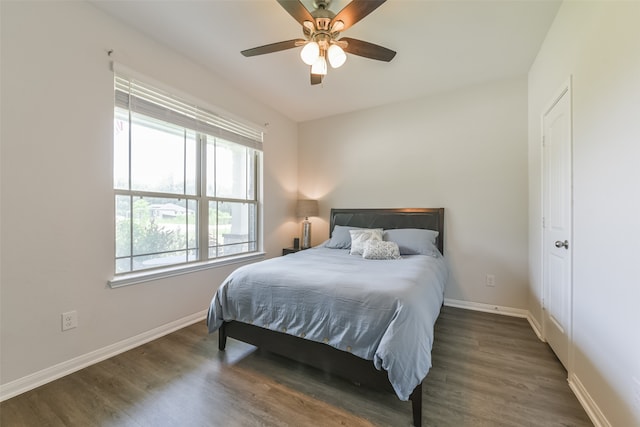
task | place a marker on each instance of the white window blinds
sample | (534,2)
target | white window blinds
(145,99)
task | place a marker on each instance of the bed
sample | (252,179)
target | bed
(352,317)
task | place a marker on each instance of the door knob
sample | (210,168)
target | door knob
(564,244)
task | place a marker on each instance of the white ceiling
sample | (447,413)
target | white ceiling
(440,45)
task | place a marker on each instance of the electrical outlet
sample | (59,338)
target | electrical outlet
(490,280)
(69,320)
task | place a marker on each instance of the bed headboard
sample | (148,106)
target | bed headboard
(427,218)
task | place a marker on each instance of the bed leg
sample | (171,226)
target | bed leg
(222,337)
(416,404)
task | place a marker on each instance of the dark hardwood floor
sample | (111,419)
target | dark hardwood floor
(488,370)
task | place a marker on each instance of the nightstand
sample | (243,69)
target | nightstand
(287,251)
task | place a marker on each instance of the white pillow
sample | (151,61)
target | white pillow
(374,249)
(360,237)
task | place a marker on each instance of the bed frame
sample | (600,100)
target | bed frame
(325,357)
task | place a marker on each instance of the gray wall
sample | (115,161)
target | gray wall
(598,45)
(57,191)
(465,151)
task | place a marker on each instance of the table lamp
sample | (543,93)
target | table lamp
(306,208)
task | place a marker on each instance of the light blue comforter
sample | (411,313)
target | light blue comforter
(379,310)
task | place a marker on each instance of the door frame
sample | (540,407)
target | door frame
(566,89)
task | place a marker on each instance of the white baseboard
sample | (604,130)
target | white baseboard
(487,308)
(593,411)
(498,309)
(537,328)
(47,375)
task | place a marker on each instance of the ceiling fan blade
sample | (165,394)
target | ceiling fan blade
(368,50)
(355,11)
(273,47)
(296,9)
(316,79)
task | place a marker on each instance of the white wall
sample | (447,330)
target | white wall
(465,151)
(57,197)
(598,44)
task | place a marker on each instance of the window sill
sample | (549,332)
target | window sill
(147,276)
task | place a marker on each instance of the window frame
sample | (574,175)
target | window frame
(253,156)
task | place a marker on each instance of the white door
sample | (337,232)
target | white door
(557,225)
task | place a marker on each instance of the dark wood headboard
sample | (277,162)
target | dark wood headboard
(426,218)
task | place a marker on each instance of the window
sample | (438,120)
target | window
(185,181)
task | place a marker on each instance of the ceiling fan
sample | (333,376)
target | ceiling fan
(321,29)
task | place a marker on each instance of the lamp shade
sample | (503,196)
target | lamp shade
(320,66)
(336,56)
(307,208)
(310,53)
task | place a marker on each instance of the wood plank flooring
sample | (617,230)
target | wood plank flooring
(488,370)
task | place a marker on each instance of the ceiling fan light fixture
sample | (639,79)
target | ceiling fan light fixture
(310,53)
(336,55)
(319,67)
(321,29)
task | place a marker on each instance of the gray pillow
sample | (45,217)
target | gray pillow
(341,238)
(413,241)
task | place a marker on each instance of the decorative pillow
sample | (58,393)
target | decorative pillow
(340,238)
(360,237)
(375,249)
(414,241)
